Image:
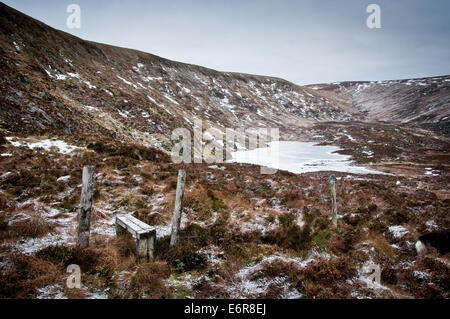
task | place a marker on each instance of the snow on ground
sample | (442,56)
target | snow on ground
(398,231)
(185,281)
(109,92)
(430,171)
(57,292)
(88,84)
(349,137)
(63,178)
(63,77)
(51,292)
(64,233)
(91,108)
(170,99)
(255,288)
(124,114)
(246,284)
(213,255)
(252,221)
(17,46)
(222,168)
(158,104)
(421,275)
(431,224)
(300,157)
(65,225)
(47,144)
(368,153)
(33,245)
(128,82)
(96,294)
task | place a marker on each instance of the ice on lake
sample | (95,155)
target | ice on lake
(300,157)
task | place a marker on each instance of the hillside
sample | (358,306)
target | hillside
(424,100)
(54,81)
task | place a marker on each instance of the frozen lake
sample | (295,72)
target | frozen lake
(300,157)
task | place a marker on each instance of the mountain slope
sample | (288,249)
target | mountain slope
(51,80)
(424,100)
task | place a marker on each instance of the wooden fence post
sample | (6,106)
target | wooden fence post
(176,220)
(84,218)
(333,199)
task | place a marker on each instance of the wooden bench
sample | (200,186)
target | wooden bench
(144,234)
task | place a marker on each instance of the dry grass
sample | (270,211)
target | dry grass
(25,275)
(33,227)
(148,282)
(367,208)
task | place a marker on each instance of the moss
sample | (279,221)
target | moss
(286,219)
(319,239)
(147,190)
(217,203)
(219,229)
(140,204)
(270,219)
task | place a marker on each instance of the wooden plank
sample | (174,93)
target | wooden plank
(176,220)
(84,220)
(139,223)
(133,225)
(141,248)
(129,224)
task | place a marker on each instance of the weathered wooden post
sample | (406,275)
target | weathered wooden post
(333,199)
(84,219)
(145,245)
(176,220)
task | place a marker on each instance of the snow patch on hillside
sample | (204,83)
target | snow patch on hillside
(47,144)
(398,231)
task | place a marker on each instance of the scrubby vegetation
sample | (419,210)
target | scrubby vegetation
(243,234)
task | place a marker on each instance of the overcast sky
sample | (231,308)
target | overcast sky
(304,41)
